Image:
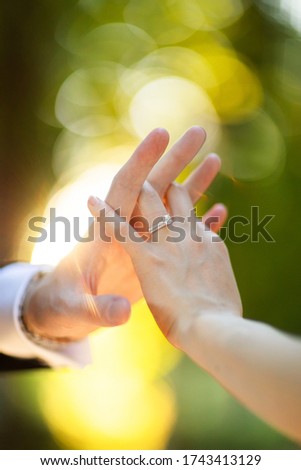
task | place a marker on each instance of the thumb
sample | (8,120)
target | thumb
(107,310)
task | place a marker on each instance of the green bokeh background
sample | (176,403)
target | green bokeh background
(35,61)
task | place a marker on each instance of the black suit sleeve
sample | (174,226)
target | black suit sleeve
(10,364)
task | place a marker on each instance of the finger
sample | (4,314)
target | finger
(198,182)
(178,200)
(116,227)
(176,159)
(215,217)
(149,207)
(107,310)
(128,182)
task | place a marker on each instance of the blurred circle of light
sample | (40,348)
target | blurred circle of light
(169,61)
(164,62)
(70,202)
(157,18)
(121,401)
(92,411)
(176,104)
(121,43)
(238,91)
(206,14)
(172,21)
(83,103)
(252,150)
(149,355)
(95,8)
(74,154)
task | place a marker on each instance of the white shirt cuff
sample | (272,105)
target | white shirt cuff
(14,280)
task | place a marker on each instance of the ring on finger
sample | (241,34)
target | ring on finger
(164,221)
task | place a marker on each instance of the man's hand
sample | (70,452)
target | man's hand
(96,284)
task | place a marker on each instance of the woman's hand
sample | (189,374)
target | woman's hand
(183,268)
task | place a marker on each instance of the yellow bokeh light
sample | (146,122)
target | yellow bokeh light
(88,410)
(121,43)
(156,18)
(121,401)
(74,154)
(70,202)
(206,14)
(168,61)
(238,92)
(176,104)
(83,103)
(138,346)
(173,21)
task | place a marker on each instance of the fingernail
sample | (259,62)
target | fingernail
(214,155)
(119,310)
(221,206)
(93,201)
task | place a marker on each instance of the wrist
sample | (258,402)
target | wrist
(31,313)
(208,335)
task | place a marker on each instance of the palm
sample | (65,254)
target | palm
(108,269)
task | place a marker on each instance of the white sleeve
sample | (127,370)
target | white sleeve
(14,280)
